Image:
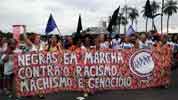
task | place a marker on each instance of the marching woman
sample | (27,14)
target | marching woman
(71,43)
(86,43)
(54,44)
(126,44)
(35,44)
(116,42)
(135,41)
(103,43)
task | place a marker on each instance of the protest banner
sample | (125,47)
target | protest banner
(90,71)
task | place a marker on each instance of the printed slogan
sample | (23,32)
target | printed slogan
(90,71)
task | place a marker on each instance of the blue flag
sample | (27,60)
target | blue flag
(51,25)
(130,31)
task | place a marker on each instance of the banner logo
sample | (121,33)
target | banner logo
(141,63)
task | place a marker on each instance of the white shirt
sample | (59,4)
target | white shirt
(104,45)
(126,45)
(149,43)
(8,66)
(116,43)
(171,43)
(38,48)
(142,45)
(83,47)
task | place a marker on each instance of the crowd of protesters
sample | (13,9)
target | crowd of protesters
(34,42)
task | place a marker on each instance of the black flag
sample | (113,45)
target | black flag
(113,19)
(79,27)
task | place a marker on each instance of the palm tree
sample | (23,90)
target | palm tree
(155,8)
(125,17)
(133,14)
(170,8)
(124,22)
(147,13)
(121,21)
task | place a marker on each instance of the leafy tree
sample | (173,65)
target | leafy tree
(147,13)
(133,14)
(155,8)
(170,8)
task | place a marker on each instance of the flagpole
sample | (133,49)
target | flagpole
(58,30)
(61,40)
(162,16)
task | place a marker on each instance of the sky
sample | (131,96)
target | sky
(35,13)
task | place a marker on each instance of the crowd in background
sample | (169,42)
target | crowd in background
(34,42)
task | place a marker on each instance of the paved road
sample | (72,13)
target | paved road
(170,93)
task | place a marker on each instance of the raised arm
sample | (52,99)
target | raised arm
(27,41)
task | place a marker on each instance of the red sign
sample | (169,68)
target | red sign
(91,71)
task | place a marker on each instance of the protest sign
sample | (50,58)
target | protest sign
(90,71)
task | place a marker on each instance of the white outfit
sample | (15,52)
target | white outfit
(36,48)
(142,45)
(116,43)
(149,43)
(8,66)
(171,43)
(104,45)
(126,45)
(83,48)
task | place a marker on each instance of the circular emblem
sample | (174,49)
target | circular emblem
(141,63)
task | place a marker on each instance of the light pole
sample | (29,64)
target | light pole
(126,15)
(162,16)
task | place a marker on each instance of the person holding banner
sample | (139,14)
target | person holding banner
(134,40)
(35,42)
(116,42)
(160,40)
(54,44)
(86,43)
(143,41)
(103,43)
(125,44)
(70,44)
(97,43)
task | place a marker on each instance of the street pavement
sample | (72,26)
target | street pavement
(170,93)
